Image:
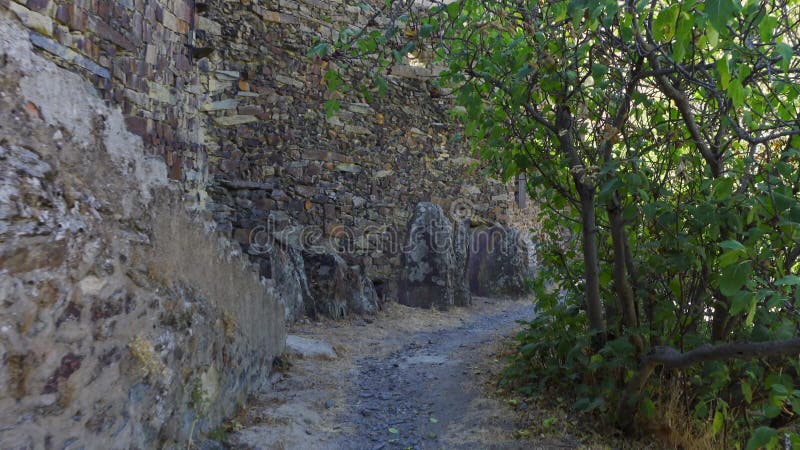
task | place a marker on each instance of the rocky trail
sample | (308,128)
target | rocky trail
(410,378)
(426,394)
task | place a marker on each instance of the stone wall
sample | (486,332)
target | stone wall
(223,92)
(125,322)
(356,176)
(138,54)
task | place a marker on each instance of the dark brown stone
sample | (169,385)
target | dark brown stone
(71,312)
(69,364)
(137,125)
(38,256)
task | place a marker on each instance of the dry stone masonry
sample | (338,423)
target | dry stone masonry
(224,93)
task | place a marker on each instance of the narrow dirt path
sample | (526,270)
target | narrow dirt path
(409,379)
(426,395)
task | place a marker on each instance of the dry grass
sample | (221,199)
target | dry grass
(672,427)
(550,416)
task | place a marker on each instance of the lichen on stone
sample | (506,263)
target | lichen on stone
(142,351)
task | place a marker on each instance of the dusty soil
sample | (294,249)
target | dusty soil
(408,378)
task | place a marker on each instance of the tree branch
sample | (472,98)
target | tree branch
(671,358)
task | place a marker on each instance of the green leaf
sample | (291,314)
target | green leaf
(383,86)
(333,80)
(747,392)
(648,408)
(559,10)
(452,10)
(762,437)
(320,50)
(665,24)
(724,73)
(723,188)
(719,421)
(751,313)
(730,257)
(719,12)
(683,37)
(740,302)
(713,37)
(771,411)
(766,28)
(734,277)
(433,419)
(732,245)
(599,71)
(788,280)
(786,53)
(394,430)
(426,30)
(736,93)
(332,107)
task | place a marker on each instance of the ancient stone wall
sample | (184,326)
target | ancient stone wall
(125,322)
(224,93)
(356,176)
(138,54)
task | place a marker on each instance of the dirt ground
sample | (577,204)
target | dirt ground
(405,379)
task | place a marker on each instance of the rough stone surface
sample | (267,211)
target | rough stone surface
(291,285)
(355,177)
(226,97)
(309,348)
(461,250)
(125,321)
(338,288)
(428,261)
(500,261)
(310,279)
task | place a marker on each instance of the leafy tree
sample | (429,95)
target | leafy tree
(666,135)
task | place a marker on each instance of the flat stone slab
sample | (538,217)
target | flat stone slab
(309,348)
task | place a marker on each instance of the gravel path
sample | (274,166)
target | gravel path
(424,396)
(406,379)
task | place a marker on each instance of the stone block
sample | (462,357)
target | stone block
(227,121)
(66,54)
(500,262)
(309,348)
(37,22)
(209,26)
(220,105)
(161,93)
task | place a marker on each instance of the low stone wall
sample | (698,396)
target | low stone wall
(125,322)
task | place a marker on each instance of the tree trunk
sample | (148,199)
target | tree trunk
(673,359)
(625,294)
(594,306)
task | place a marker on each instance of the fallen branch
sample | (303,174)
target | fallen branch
(670,358)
